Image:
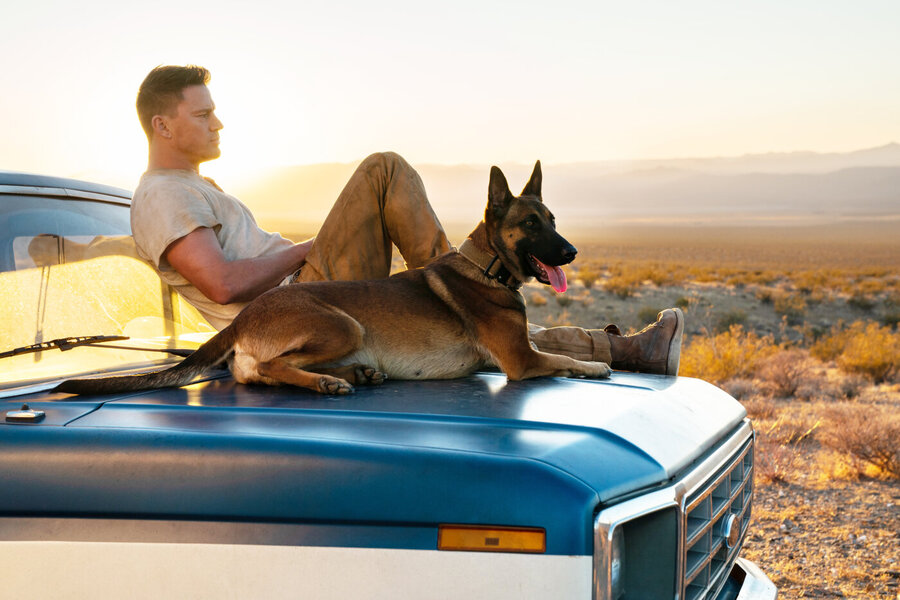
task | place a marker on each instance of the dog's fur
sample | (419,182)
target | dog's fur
(442,321)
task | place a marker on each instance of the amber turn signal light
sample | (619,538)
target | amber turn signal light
(478,538)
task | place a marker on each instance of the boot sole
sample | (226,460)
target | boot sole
(674,358)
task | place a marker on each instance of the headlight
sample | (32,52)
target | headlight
(636,549)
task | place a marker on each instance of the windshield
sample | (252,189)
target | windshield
(69,268)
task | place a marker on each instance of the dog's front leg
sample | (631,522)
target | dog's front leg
(507,341)
(542,364)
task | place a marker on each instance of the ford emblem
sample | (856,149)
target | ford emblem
(731,531)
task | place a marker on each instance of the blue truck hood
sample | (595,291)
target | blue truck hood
(541,453)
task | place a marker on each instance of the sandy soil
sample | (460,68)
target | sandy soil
(835,539)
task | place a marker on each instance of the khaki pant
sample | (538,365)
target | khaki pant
(385,202)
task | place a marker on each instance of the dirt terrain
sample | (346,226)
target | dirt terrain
(834,539)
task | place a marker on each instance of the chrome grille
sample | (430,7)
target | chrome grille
(718,507)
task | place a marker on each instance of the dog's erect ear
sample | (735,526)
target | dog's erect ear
(533,187)
(498,193)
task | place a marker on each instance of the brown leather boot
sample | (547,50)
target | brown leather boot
(655,349)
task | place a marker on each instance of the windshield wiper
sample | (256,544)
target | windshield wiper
(87,340)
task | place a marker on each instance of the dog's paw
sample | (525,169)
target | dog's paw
(369,375)
(605,371)
(598,370)
(334,385)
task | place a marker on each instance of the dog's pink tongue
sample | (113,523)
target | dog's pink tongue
(556,276)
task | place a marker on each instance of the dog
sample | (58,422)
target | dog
(461,312)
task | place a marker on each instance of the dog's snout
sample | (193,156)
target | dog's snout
(569,253)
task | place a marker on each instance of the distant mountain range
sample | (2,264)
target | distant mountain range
(769,188)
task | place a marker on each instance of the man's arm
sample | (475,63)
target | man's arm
(199,259)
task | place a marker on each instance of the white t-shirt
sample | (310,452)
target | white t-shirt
(168,204)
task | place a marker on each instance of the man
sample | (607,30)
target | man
(207,245)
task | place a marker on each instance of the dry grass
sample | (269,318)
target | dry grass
(785,372)
(588,276)
(537,299)
(864,348)
(869,434)
(733,353)
(775,462)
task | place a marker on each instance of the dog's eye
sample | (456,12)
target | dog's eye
(531,223)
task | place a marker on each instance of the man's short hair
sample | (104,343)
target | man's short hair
(163,89)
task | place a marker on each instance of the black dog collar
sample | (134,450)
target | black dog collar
(489,264)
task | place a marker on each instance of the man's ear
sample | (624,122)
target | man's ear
(159,126)
(498,193)
(533,187)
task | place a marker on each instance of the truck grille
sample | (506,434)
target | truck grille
(716,517)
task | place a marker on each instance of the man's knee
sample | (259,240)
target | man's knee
(386,159)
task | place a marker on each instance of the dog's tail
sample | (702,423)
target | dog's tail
(208,355)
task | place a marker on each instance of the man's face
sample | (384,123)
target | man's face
(195,128)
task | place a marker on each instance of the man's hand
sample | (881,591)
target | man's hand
(199,259)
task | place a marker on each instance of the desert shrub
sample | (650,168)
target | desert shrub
(872,350)
(537,299)
(726,355)
(891,319)
(829,346)
(832,464)
(759,407)
(765,295)
(656,274)
(741,388)
(811,389)
(791,306)
(683,302)
(702,274)
(868,433)
(563,319)
(892,301)
(874,272)
(732,317)
(810,333)
(809,281)
(647,314)
(585,298)
(588,276)
(773,462)
(815,297)
(785,371)
(563,299)
(850,386)
(870,286)
(622,285)
(791,429)
(744,278)
(861,302)
(840,388)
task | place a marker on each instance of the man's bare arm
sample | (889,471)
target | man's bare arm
(199,259)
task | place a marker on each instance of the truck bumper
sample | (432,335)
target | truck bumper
(747,582)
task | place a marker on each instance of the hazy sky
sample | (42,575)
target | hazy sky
(459,81)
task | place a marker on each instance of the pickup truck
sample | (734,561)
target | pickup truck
(635,487)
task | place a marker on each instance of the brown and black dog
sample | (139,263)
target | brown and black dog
(460,313)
